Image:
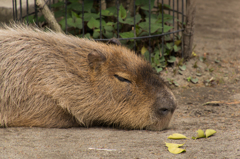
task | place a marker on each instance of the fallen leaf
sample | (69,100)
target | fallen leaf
(200,134)
(173,144)
(194,54)
(183,67)
(176,150)
(177,136)
(194,80)
(198,74)
(209,132)
(214,103)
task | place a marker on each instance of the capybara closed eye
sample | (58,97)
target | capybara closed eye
(51,79)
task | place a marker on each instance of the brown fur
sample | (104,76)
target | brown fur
(50,79)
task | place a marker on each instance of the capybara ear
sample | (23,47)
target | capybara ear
(95,59)
(114,41)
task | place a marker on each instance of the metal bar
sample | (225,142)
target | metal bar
(83,18)
(13,4)
(169,3)
(182,25)
(173,21)
(66,16)
(172,10)
(100,20)
(144,37)
(149,39)
(16,13)
(117,18)
(27,10)
(134,13)
(20,1)
(36,12)
(163,28)
(177,15)
(49,4)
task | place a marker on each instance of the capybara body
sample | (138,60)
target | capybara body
(50,79)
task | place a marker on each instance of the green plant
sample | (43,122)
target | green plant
(162,48)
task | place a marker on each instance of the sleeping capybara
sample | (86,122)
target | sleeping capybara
(51,79)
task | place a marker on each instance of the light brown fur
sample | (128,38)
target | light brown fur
(50,79)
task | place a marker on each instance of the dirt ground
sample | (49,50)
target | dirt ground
(217,35)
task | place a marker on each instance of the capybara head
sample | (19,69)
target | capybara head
(53,80)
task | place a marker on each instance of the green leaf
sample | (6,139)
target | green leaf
(93,23)
(189,79)
(88,5)
(172,59)
(194,80)
(146,55)
(175,83)
(89,16)
(166,28)
(112,11)
(122,12)
(75,15)
(169,46)
(154,18)
(166,18)
(58,4)
(177,136)
(127,34)
(198,74)
(108,34)
(130,20)
(96,34)
(180,72)
(183,67)
(105,13)
(162,59)
(167,6)
(78,23)
(156,56)
(145,4)
(59,13)
(108,28)
(158,69)
(209,132)
(71,23)
(110,23)
(88,36)
(176,48)
(145,26)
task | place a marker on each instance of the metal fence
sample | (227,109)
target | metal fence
(22,10)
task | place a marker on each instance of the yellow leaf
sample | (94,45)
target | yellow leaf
(173,145)
(178,42)
(143,50)
(194,54)
(209,132)
(175,150)
(200,133)
(177,136)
